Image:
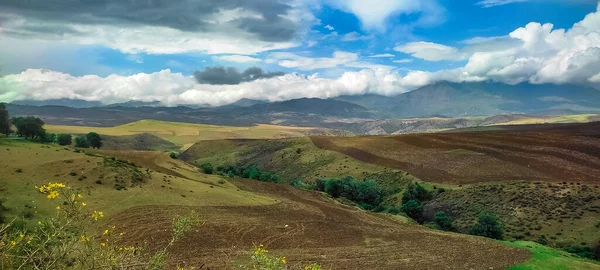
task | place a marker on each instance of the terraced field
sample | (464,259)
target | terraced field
(545,153)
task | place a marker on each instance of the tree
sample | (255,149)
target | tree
(65,139)
(207,168)
(443,221)
(48,138)
(488,226)
(94,139)
(30,127)
(413,209)
(82,142)
(415,192)
(5,123)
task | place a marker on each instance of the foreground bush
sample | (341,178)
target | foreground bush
(66,241)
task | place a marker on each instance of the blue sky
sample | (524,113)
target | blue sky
(332,47)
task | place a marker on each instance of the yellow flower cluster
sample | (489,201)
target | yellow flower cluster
(97,214)
(84,238)
(51,189)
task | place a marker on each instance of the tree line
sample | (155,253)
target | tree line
(33,128)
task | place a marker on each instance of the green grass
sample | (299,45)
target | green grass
(546,258)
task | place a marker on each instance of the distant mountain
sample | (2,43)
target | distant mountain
(316,106)
(134,104)
(246,102)
(73,103)
(483,99)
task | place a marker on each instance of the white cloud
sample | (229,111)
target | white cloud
(329,27)
(384,55)
(493,3)
(595,78)
(175,88)
(431,51)
(374,14)
(238,58)
(403,61)
(338,59)
(354,36)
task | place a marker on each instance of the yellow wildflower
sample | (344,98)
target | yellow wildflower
(79,196)
(52,195)
(121,234)
(84,238)
(83,204)
(13,243)
(283,260)
(58,207)
(39,223)
(29,240)
(21,235)
(105,232)
(103,244)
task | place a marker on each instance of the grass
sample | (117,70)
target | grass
(41,164)
(546,258)
(575,118)
(185,134)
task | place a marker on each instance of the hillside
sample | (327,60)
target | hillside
(236,214)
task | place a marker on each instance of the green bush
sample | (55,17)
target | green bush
(443,221)
(174,155)
(94,139)
(488,226)
(82,142)
(64,139)
(207,168)
(366,193)
(415,192)
(581,251)
(413,209)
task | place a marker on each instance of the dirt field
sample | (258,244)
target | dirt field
(554,153)
(307,228)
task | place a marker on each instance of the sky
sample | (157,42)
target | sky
(216,52)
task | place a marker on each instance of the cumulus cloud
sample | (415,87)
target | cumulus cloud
(175,88)
(162,27)
(230,75)
(354,36)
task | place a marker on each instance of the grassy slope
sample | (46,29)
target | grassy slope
(186,134)
(41,164)
(576,118)
(546,258)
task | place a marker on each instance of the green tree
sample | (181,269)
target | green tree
(415,192)
(207,168)
(5,123)
(488,226)
(413,209)
(94,139)
(443,221)
(30,127)
(254,173)
(48,138)
(82,142)
(64,139)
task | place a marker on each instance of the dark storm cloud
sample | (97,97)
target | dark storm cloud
(185,15)
(229,75)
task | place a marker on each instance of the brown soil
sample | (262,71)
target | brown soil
(553,153)
(307,228)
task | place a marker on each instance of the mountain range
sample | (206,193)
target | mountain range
(439,100)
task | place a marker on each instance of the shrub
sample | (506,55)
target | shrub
(415,192)
(174,155)
(581,251)
(366,193)
(413,209)
(488,226)
(82,142)
(207,168)
(68,241)
(64,139)
(94,139)
(443,221)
